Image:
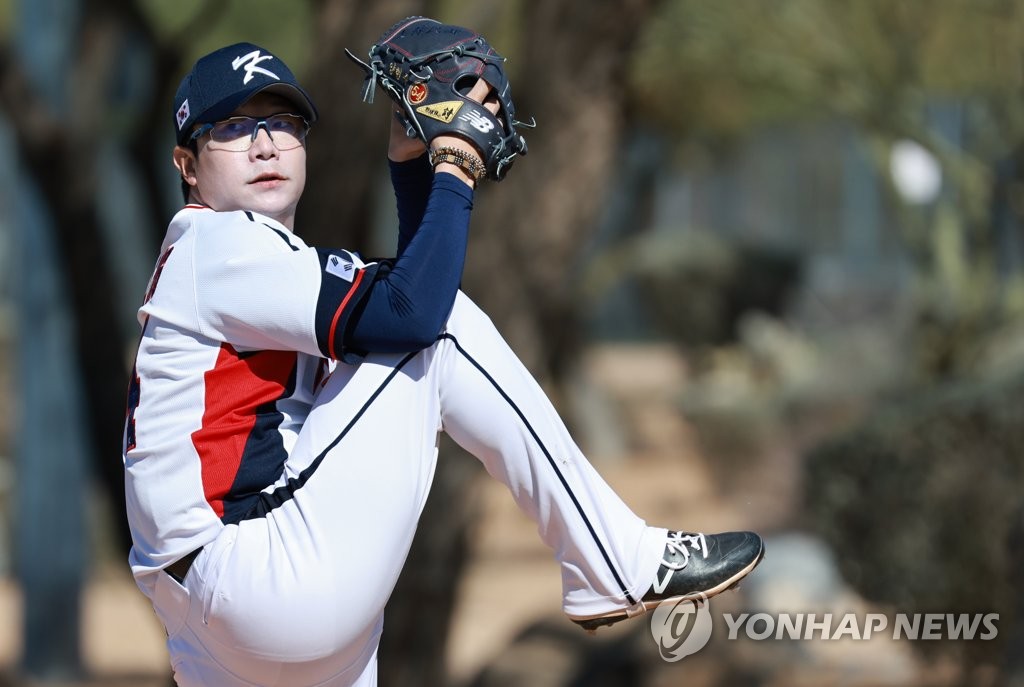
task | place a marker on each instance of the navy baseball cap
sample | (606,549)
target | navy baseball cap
(221,81)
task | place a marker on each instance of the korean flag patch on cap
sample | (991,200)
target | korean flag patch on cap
(183,114)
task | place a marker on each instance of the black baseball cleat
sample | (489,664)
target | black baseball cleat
(695,566)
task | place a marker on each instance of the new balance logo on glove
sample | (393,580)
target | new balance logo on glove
(477,121)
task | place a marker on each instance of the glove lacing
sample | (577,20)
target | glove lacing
(418,66)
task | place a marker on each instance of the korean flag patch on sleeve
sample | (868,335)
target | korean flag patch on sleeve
(344,265)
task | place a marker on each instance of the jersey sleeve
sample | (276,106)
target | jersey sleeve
(345,284)
(260,288)
(242,279)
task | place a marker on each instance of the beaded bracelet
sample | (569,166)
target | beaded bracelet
(473,165)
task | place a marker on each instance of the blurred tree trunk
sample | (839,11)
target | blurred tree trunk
(347,152)
(50,465)
(59,151)
(570,74)
(58,155)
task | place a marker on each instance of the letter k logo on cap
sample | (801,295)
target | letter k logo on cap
(251,64)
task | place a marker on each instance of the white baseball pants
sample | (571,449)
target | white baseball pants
(296,597)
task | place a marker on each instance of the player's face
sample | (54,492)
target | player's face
(263,179)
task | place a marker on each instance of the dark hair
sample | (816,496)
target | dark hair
(185,188)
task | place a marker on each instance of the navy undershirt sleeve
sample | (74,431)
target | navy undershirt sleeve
(412,182)
(408,304)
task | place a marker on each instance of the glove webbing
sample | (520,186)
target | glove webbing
(415,64)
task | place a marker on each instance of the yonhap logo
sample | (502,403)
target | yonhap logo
(682,628)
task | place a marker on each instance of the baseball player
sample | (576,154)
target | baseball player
(286,400)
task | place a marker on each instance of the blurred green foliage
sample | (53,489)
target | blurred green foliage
(284,27)
(501,22)
(719,74)
(923,505)
(726,68)
(6,18)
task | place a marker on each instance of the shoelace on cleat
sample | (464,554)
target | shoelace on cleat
(682,543)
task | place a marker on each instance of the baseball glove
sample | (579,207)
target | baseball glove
(428,68)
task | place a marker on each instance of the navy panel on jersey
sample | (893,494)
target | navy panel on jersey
(343,285)
(264,454)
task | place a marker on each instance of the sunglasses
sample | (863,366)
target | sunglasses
(237,134)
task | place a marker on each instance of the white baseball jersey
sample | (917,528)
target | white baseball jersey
(304,496)
(235,340)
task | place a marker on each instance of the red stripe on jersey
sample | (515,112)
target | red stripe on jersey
(235,388)
(341,309)
(156,274)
